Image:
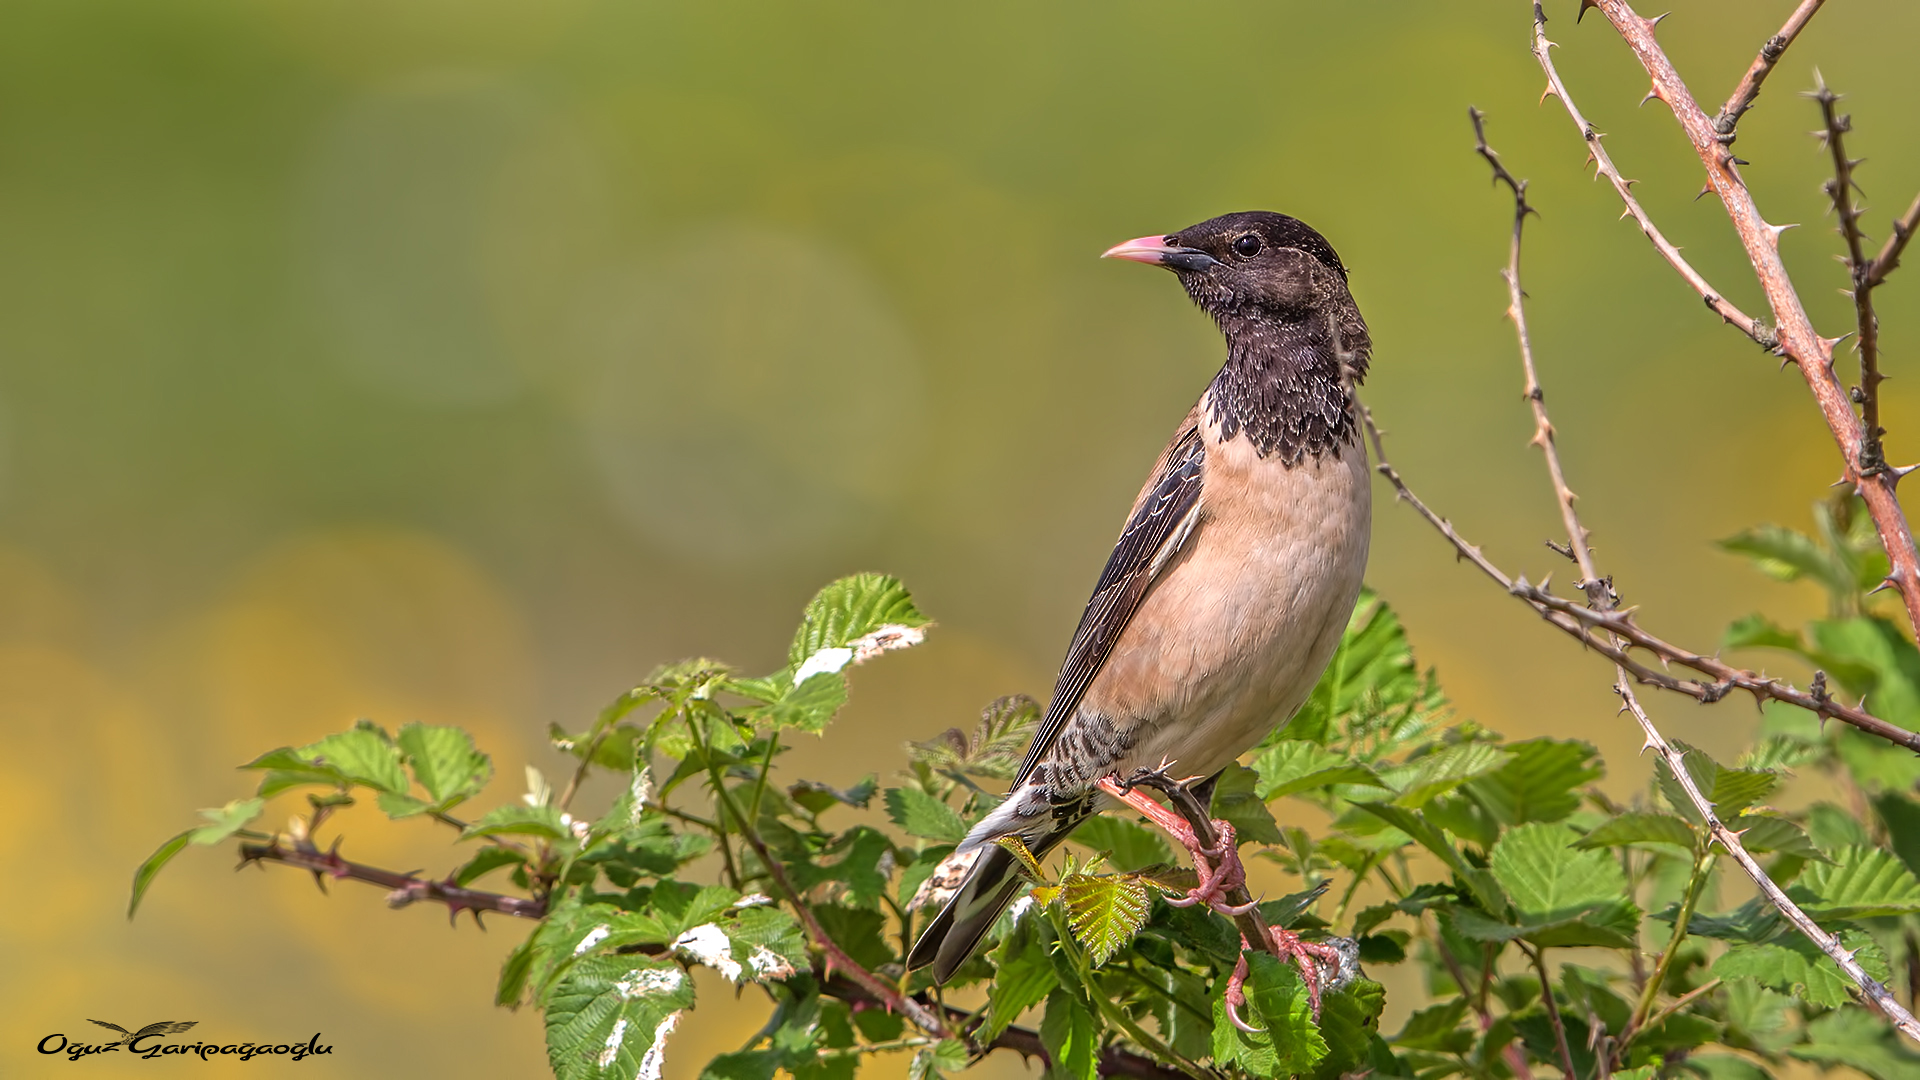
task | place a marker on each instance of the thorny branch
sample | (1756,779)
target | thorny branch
(1603,166)
(1840,189)
(1872,988)
(1729,116)
(1796,338)
(409,888)
(1889,257)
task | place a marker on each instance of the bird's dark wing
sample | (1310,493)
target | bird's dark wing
(115,1027)
(177,1026)
(1160,518)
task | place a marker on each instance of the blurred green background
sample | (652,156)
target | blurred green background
(459,361)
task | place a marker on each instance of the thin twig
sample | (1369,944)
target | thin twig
(1889,258)
(1595,629)
(1797,339)
(1729,116)
(1539,957)
(1840,189)
(1603,166)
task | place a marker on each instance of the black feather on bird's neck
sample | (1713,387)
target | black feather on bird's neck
(1288,383)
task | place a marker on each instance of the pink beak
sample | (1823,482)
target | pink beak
(1146,249)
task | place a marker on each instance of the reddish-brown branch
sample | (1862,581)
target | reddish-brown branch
(834,981)
(1603,166)
(1729,116)
(402,889)
(1798,340)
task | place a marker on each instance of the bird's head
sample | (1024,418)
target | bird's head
(1255,259)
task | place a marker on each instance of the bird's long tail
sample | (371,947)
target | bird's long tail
(995,876)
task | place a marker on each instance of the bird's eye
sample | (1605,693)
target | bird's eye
(1248,245)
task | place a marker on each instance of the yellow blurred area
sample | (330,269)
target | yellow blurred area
(460,362)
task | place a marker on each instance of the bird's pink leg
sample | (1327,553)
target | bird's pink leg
(1221,872)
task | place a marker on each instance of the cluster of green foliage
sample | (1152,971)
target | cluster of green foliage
(1550,929)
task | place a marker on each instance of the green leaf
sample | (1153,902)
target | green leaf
(1347,1017)
(850,609)
(1288,1044)
(1713,1067)
(1760,632)
(226,821)
(1862,882)
(743,1065)
(162,855)
(1370,681)
(1767,833)
(285,768)
(1293,766)
(364,755)
(1752,921)
(1485,889)
(809,706)
(1105,911)
(922,815)
(511,820)
(1128,845)
(943,1057)
(1639,827)
(1424,779)
(1071,1038)
(1793,965)
(859,932)
(1571,896)
(485,861)
(1858,1038)
(611,1015)
(1786,555)
(1234,801)
(1539,783)
(444,762)
(1901,816)
(1023,976)
(1437,1028)
(1729,790)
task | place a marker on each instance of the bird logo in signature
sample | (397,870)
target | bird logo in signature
(163,1027)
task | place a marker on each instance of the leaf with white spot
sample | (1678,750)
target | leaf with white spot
(609,1016)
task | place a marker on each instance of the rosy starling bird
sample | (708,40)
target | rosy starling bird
(1230,585)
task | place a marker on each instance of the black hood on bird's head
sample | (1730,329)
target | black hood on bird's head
(1296,343)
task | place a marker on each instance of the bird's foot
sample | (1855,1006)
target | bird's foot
(1236,991)
(1316,962)
(1218,864)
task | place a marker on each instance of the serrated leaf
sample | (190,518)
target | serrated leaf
(1641,827)
(1862,1040)
(1539,783)
(1862,882)
(226,821)
(1293,766)
(743,1065)
(1423,779)
(1767,833)
(1437,1028)
(1793,965)
(850,609)
(1023,977)
(1071,1038)
(809,706)
(1370,680)
(1564,895)
(1759,632)
(1347,1017)
(1128,845)
(1234,801)
(485,861)
(1715,1067)
(364,755)
(1105,912)
(920,814)
(444,762)
(611,1016)
(1752,921)
(1729,790)
(510,820)
(1901,816)
(1486,889)
(1288,1043)
(1786,555)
